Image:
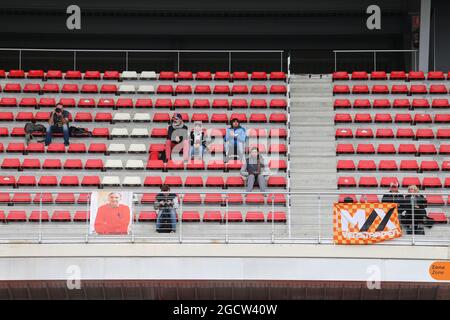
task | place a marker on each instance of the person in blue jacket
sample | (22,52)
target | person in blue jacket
(235,139)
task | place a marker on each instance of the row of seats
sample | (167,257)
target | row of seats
(372,182)
(135,181)
(146,216)
(98,164)
(395,89)
(403,148)
(146,103)
(387,118)
(391,165)
(146,117)
(144,75)
(394,75)
(147,198)
(402,133)
(142,89)
(19,147)
(386,104)
(154,132)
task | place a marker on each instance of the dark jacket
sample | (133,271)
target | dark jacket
(416,205)
(166,201)
(202,139)
(180,132)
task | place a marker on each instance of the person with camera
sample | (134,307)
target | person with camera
(166,203)
(58,123)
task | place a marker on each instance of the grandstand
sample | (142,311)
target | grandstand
(337,127)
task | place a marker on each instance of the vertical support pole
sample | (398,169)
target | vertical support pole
(20,59)
(180,218)
(424,41)
(413,203)
(335,62)
(88,215)
(273,217)
(374,61)
(281,61)
(319,212)
(229,61)
(74,60)
(227,237)
(40,219)
(126,60)
(178,61)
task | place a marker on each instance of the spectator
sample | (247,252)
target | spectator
(166,203)
(415,205)
(395,197)
(235,139)
(255,168)
(348,200)
(177,137)
(113,217)
(197,141)
(58,122)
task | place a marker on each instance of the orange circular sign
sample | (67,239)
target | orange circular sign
(440,270)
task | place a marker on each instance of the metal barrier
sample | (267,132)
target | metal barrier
(374,56)
(310,221)
(126,58)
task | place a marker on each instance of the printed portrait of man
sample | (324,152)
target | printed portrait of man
(113,217)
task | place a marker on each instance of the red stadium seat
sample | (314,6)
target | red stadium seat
(416,75)
(276,182)
(65,198)
(278,133)
(340,75)
(239,89)
(387,165)
(47,102)
(111,75)
(67,181)
(409,181)
(215,182)
(427,149)
(199,104)
(35,74)
(440,104)
(153,181)
(403,118)
(386,149)
(185,75)
(89,88)
(422,118)
(69,88)
(25,181)
(278,104)
(32,88)
(232,182)
(345,149)
(407,149)
(429,165)
(443,134)
(363,118)
(362,104)
(221,90)
(364,133)
(341,89)
(182,89)
(12,87)
(420,103)
(442,118)
(8,102)
(167,75)
(431,182)
(424,134)
(56,148)
(148,198)
(346,165)
(213,198)
(222,75)
(193,181)
(21,198)
(435,75)
(258,75)
(438,89)
(37,215)
(259,89)
(399,89)
(212,216)
(216,165)
(15,147)
(346,182)
(401,104)
(368,182)
(16,216)
(164,89)
(342,104)
(195,165)
(405,133)
(277,75)
(143,103)
(190,216)
(61,216)
(233,216)
(11,163)
(278,89)
(418,89)
(29,163)
(383,118)
(52,164)
(219,118)
(409,165)
(254,216)
(277,118)
(360,89)
(397,75)
(73,74)
(381,104)
(124,103)
(366,165)
(360,75)
(173,181)
(72,164)
(220,103)
(343,133)
(240,75)
(192,198)
(378,75)
(54,74)
(380,89)
(48,181)
(444,149)
(203,75)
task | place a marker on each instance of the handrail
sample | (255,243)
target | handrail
(136,50)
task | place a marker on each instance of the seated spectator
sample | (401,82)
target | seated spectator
(58,123)
(348,200)
(235,139)
(415,205)
(177,138)
(395,197)
(166,203)
(255,168)
(197,141)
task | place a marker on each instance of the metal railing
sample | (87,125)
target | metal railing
(310,221)
(374,56)
(126,58)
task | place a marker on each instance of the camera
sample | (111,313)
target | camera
(58,110)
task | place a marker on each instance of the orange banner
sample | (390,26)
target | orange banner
(365,223)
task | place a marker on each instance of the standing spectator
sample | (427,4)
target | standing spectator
(177,137)
(58,122)
(235,139)
(415,205)
(255,168)
(395,197)
(197,141)
(166,203)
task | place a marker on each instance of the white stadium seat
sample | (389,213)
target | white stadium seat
(148,75)
(137,148)
(139,133)
(129,75)
(119,132)
(116,148)
(113,164)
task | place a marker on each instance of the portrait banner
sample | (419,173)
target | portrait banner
(111,212)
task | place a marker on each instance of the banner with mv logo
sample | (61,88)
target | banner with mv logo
(365,223)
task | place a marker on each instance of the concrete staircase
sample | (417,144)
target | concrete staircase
(312,155)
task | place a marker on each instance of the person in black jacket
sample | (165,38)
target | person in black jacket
(177,138)
(166,203)
(395,197)
(415,213)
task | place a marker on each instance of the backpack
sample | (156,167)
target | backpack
(79,132)
(33,128)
